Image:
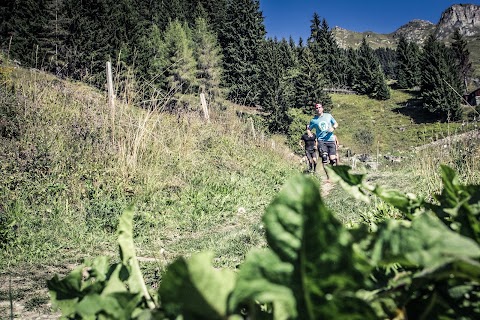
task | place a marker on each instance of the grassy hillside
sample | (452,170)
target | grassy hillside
(393,126)
(68,171)
(70,166)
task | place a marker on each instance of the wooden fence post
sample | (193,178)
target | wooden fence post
(204,106)
(252,127)
(111,95)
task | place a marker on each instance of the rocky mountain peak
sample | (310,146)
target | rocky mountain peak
(415,31)
(464,17)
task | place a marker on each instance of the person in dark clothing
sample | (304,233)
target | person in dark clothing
(310,145)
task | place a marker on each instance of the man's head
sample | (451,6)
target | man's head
(318,108)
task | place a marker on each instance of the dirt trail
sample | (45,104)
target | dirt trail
(326,188)
(28,291)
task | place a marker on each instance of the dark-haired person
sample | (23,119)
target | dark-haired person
(310,145)
(324,124)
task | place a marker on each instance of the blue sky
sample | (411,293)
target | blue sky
(285,18)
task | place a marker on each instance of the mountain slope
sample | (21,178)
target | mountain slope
(465,17)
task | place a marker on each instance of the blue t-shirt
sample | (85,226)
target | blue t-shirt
(321,124)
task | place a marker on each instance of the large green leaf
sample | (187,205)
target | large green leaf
(112,306)
(194,289)
(406,203)
(135,282)
(65,293)
(425,242)
(459,205)
(263,277)
(326,270)
(354,184)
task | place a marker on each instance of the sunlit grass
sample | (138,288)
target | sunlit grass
(393,123)
(69,174)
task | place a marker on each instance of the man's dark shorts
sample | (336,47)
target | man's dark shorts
(328,147)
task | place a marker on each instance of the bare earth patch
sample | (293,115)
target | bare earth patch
(24,292)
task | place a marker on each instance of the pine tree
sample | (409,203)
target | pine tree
(310,83)
(209,59)
(88,44)
(180,69)
(353,70)
(329,56)
(408,64)
(440,82)
(215,13)
(150,61)
(241,40)
(414,64)
(278,72)
(370,77)
(335,67)
(462,56)
(402,63)
(388,60)
(20,22)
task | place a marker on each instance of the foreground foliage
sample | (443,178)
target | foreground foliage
(422,267)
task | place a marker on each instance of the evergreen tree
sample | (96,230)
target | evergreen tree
(440,82)
(88,44)
(334,68)
(388,60)
(50,35)
(180,69)
(462,56)
(408,65)
(314,43)
(209,59)
(214,12)
(310,83)
(150,62)
(329,56)
(241,40)
(278,71)
(415,53)
(175,10)
(353,70)
(371,80)
(402,63)
(19,25)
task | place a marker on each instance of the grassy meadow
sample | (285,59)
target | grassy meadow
(70,166)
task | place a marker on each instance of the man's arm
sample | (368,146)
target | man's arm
(334,124)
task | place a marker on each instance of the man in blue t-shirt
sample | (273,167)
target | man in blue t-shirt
(324,125)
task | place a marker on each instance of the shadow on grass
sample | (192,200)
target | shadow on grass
(413,108)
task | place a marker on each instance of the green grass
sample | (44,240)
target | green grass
(69,175)
(397,125)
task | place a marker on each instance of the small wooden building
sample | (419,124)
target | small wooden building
(473,98)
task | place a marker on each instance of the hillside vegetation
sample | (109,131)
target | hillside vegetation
(70,167)
(69,170)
